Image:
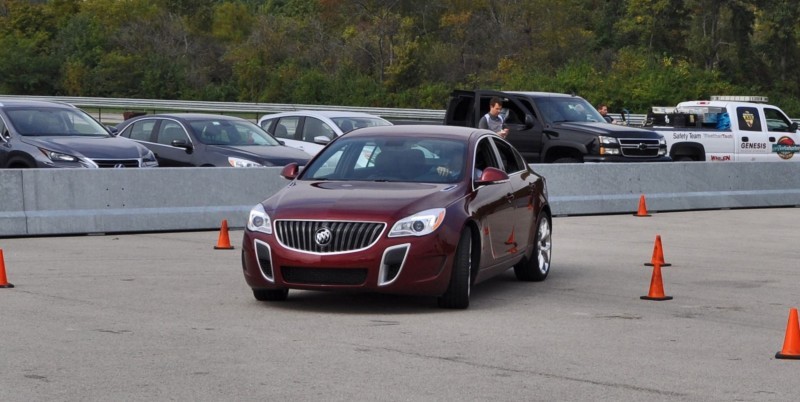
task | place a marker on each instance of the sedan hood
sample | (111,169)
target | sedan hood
(611,130)
(263,154)
(379,201)
(89,146)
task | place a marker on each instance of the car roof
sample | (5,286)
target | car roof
(534,94)
(415,130)
(191,116)
(38,103)
(320,113)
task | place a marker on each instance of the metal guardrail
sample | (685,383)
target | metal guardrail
(256,109)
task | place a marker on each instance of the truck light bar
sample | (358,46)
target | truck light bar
(736,98)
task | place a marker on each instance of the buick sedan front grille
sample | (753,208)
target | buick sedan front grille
(327,236)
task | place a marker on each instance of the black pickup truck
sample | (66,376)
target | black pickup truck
(558,128)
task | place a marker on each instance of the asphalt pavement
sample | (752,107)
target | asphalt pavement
(165,316)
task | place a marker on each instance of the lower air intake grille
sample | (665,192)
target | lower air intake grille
(324,276)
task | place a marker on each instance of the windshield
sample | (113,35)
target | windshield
(420,160)
(231,132)
(568,109)
(55,121)
(351,123)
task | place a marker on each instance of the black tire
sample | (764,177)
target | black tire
(457,294)
(567,160)
(684,158)
(536,268)
(270,294)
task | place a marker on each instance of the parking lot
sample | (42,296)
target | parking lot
(164,316)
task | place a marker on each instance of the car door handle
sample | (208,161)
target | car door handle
(509,197)
(745,139)
(771,139)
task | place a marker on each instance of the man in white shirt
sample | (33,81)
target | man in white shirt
(493,120)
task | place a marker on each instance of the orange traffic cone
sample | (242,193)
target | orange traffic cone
(3,280)
(658,255)
(656,286)
(224,242)
(642,207)
(791,344)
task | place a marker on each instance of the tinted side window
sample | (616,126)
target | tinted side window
(140,130)
(511,160)
(484,157)
(776,121)
(267,125)
(749,118)
(171,131)
(315,128)
(287,127)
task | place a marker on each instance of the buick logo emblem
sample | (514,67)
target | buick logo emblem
(119,166)
(642,146)
(323,237)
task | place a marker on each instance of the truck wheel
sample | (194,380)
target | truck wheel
(537,267)
(457,294)
(566,160)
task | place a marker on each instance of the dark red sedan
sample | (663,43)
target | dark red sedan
(418,210)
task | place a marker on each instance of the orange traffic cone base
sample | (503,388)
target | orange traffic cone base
(223,248)
(780,355)
(656,298)
(650,264)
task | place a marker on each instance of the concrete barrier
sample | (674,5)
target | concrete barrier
(609,188)
(78,201)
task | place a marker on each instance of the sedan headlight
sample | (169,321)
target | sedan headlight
(419,224)
(66,160)
(239,162)
(259,221)
(149,159)
(59,157)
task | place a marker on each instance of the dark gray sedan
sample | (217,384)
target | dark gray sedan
(37,134)
(193,139)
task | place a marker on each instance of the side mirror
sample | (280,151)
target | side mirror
(492,175)
(290,171)
(528,121)
(182,144)
(322,140)
(793,127)
(113,130)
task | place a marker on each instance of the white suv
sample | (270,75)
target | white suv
(310,130)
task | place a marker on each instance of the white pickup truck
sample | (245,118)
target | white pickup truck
(727,129)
